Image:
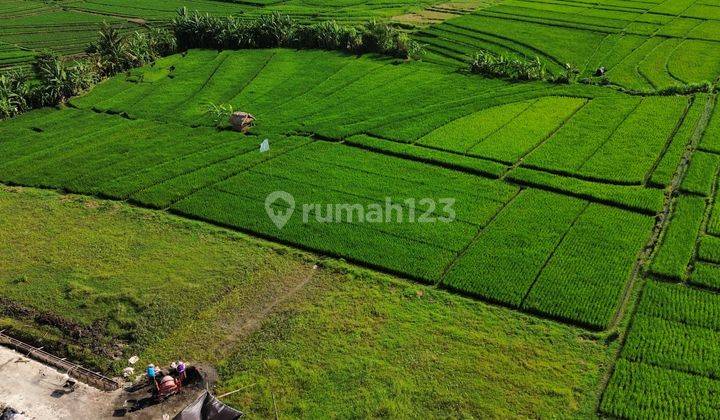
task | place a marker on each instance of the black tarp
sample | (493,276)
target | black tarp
(207,407)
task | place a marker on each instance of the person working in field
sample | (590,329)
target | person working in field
(181,371)
(151,374)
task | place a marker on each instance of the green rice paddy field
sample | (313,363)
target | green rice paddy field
(68,26)
(98,263)
(588,209)
(643,45)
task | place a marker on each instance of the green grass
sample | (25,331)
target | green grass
(172,288)
(130,275)
(369,349)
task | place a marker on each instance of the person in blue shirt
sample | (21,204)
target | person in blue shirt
(151,373)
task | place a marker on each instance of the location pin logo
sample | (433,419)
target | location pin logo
(279,217)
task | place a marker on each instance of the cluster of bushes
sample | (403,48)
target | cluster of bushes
(195,30)
(509,67)
(59,80)
(115,53)
(514,68)
(14,94)
(55,80)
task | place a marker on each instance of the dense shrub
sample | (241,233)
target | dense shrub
(219,114)
(55,81)
(569,75)
(116,53)
(14,94)
(59,80)
(328,35)
(515,68)
(704,87)
(161,41)
(273,30)
(504,66)
(384,39)
(195,30)
(110,50)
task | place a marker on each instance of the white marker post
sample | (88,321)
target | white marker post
(265,146)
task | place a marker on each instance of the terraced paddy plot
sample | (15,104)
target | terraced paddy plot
(628,133)
(713,226)
(642,45)
(690,132)
(11,55)
(709,249)
(668,366)
(706,275)
(678,244)
(351,11)
(586,275)
(144,137)
(594,204)
(538,254)
(711,139)
(340,95)
(521,135)
(420,250)
(701,174)
(497,123)
(31,26)
(648,201)
(504,133)
(668,361)
(125,257)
